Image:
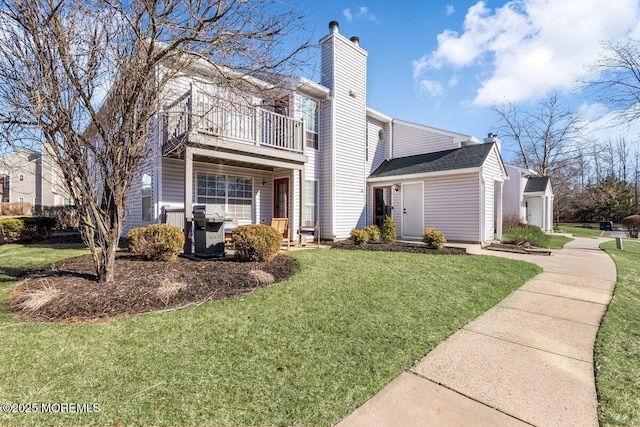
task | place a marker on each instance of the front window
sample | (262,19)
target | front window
(21,178)
(231,194)
(310,117)
(6,181)
(68,201)
(147,208)
(310,203)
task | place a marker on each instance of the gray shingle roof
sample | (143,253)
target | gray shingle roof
(472,156)
(536,184)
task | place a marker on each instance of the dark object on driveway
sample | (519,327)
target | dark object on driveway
(606,225)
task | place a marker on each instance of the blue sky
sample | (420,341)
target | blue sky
(443,63)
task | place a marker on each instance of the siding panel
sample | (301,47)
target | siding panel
(452,206)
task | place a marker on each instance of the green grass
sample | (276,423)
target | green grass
(557,242)
(15,258)
(617,348)
(578,231)
(308,350)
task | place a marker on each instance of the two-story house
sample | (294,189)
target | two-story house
(31,176)
(318,153)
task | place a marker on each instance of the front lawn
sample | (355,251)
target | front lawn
(305,351)
(557,242)
(617,349)
(578,231)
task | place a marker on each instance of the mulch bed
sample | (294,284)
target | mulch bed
(416,248)
(71,294)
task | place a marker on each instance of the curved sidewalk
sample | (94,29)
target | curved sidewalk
(526,361)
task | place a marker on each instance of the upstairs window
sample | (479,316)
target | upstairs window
(309,111)
(147,207)
(21,178)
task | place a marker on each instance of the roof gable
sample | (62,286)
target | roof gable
(472,156)
(537,184)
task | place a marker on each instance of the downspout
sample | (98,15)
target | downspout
(158,154)
(482,208)
(333,164)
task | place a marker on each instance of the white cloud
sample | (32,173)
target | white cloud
(432,87)
(453,81)
(527,48)
(591,112)
(365,13)
(361,13)
(450,10)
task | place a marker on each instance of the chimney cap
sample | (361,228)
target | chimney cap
(355,40)
(334,26)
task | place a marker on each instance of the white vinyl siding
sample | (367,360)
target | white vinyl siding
(410,139)
(512,199)
(344,71)
(452,205)
(376,146)
(491,172)
(173,186)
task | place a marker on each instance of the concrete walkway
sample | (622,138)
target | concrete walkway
(526,361)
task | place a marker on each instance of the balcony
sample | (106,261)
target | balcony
(208,118)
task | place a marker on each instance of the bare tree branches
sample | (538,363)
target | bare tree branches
(87,79)
(545,134)
(617,81)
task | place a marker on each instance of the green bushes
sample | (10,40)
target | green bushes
(525,233)
(371,233)
(26,228)
(632,223)
(359,237)
(256,242)
(158,242)
(388,231)
(434,238)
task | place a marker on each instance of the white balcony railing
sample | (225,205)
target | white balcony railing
(217,117)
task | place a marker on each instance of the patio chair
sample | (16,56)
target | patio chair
(228,230)
(282,225)
(309,231)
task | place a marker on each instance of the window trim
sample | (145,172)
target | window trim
(146,214)
(315,184)
(226,196)
(311,136)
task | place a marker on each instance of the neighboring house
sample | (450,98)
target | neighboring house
(318,153)
(31,177)
(529,197)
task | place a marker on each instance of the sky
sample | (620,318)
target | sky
(443,63)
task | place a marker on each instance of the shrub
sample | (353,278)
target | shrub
(38,227)
(434,238)
(359,237)
(373,231)
(12,229)
(511,221)
(632,223)
(525,233)
(388,231)
(256,242)
(26,229)
(158,242)
(67,216)
(15,208)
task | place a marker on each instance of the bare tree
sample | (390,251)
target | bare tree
(617,79)
(545,134)
(86,79)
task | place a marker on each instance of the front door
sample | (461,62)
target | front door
(381,204)
(412,210)
(281,198)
